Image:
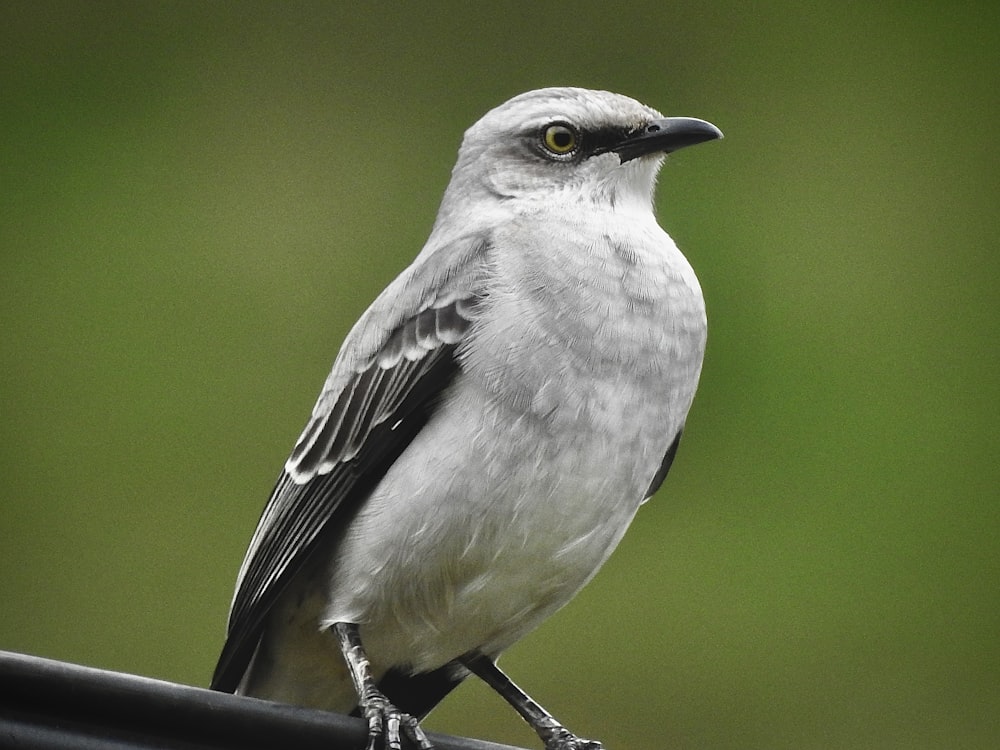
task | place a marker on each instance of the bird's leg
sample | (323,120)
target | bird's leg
(553,734)
(384,719)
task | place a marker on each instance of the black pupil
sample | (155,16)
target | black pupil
(562,138)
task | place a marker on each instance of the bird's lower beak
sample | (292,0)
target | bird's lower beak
(665,136)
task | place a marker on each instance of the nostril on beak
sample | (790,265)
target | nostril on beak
(653,128)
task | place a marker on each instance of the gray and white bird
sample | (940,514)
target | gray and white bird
(490,427)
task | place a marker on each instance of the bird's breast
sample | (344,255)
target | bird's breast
(599,327)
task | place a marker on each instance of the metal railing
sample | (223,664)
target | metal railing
(53,704)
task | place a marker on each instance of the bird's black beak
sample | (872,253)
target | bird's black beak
(665,136)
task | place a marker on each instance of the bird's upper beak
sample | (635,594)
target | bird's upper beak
(665,136)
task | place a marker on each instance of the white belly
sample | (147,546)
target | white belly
(475,537)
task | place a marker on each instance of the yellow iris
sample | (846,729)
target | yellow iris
(559,139)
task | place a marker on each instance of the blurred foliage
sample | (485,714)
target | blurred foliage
(200,198)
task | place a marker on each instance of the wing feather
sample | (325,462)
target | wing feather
(668,460)
(383,387)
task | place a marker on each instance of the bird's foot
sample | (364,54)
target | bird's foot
(557,737)
(551,732)
(387,725)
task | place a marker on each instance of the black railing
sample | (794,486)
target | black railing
(52,704)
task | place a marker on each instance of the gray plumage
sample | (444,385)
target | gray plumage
(492,422)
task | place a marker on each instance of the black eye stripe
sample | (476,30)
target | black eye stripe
(561,139)
(605,139)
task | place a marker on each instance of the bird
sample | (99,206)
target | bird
(489,428)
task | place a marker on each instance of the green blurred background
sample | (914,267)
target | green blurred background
(198,199)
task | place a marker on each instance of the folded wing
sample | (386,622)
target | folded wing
(383,388)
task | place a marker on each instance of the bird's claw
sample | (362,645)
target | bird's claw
(562,739)
(387,725)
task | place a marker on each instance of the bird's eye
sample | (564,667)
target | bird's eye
(560,139)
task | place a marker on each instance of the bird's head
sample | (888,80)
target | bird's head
(570,143)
